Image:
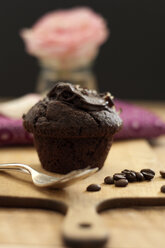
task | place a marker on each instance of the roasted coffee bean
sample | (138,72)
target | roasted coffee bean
(108,180)
(148,170)
(139,176)
(93,187)
(131,176)
(125,171)
(162,173)
(162,189)
(118,176)
(148,174)
(121,183)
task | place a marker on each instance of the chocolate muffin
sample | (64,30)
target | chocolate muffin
(73,128)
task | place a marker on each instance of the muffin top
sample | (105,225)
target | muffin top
(71,111)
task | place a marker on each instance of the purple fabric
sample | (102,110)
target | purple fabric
(13,133)
(137,123)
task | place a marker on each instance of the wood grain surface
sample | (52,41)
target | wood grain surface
(127,227)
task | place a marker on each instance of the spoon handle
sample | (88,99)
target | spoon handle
(16,167)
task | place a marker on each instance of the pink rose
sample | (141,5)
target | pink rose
(64,34)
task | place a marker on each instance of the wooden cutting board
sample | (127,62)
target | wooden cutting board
(82,224)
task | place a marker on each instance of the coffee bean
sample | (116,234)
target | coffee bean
(108,180)
(148,170)
(139,176)
(131,176)
(162,173)
(125,171)
(118,176)
(121,183)
(162,189)
(93,187)
(148,174)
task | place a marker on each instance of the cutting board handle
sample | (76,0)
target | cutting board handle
(84,228)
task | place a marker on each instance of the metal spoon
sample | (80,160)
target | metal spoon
(43,180)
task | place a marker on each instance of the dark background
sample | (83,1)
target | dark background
(130,65)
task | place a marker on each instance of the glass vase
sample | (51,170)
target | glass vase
(49,75)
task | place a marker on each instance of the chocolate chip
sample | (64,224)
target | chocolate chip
(148,174)
(108,180)
(162,173)
(118,176)
(139,176)
(93,187)
(162,189)
(108,98)
(121,183)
